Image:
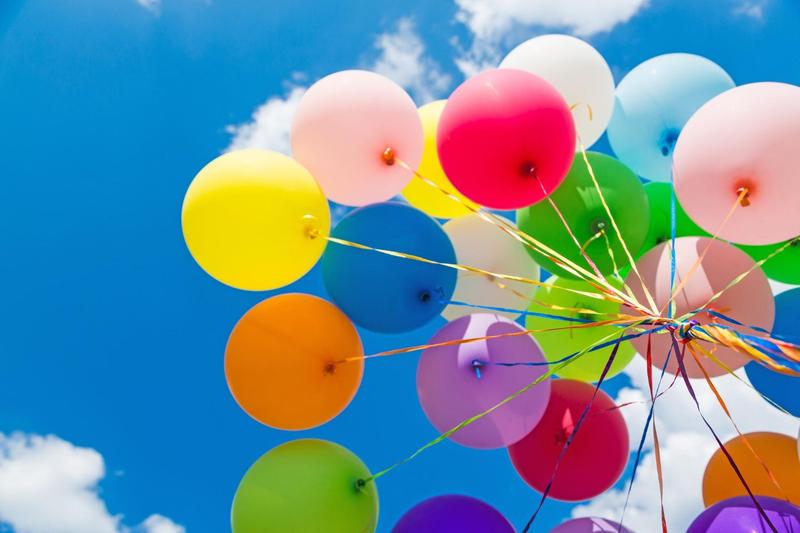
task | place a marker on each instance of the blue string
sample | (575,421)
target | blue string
(518,311)
(673,233)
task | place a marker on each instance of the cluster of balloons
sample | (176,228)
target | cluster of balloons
(689,147)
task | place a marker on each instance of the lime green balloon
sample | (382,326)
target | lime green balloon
(305,485)
(580,204)
(659,196)
(784,266)
(561,343)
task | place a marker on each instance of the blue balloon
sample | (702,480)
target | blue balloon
(385,293)
(653,103)
(782,389)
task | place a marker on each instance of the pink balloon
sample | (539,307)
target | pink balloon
(344,124)
(750,301)
(745,137)
(451,389)
(504,136)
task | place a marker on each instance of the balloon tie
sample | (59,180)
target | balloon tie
(744,196)
(389,156)
(476,365)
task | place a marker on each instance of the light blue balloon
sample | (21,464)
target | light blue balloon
(782,389)
(382,292)
(653,103)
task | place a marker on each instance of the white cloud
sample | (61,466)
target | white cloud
(751,8)
(686,446)
(270,124)
(160,524)
(48,485)
(150,5)
(402,58)
(493,22)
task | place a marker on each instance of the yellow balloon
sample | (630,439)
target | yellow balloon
(422,195)
(254,219)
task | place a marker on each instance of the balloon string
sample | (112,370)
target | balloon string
(690,389)
(742,194)
(650,417)
(571,437)
(524,238)
(650,301)
(463,268)
(522,312)
(546,375)
(727,412)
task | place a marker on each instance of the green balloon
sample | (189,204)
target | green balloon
(784,267)
(579,202)
(561,343)
(659,196)
(305,485)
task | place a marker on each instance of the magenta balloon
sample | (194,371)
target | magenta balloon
(451,389)
(590,525)
(506,136)
(749,301)
(740,515)
(344,124)
(745,137)
(461,514)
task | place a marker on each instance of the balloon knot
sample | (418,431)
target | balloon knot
(527,170)
(476,365)
(683,329)
(360,484)
(330,368)
(744,196)
(389,157)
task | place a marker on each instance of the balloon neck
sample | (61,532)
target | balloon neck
(360,484)
(329,369)
(598,226)
(389,156)
(527,170)
(668,141)
(426,296)
(743,192)
(310,227)
(477,366)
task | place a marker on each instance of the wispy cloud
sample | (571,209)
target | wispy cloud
(755,9)
(493,22)
(153,6)
(49,485)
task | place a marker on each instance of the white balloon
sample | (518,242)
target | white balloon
(579,73)
(481,244)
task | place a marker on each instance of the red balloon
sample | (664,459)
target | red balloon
(506,138)
(597,455)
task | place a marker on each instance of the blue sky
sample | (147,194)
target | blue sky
(113,338)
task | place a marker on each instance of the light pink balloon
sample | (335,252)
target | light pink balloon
(344,124)
(749,137)
(750,301)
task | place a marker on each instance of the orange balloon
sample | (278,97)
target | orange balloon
(281,361)
(778,452)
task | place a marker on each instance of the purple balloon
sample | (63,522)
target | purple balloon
(453,513)
(590,525)
(740,515)
(452,388)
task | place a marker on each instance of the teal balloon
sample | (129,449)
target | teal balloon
(653,103)
(582,207)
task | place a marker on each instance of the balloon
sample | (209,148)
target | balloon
(248,216)
(506,138)
(385,293)
(659,197)
(590,525)
(424,196)
(654,101)
(781,388)
(782,266)
(452,513)
(560,343)
(280,362)
(305,485)
(596,458)
(740,515)
(452,389)
(778,452)
(745,137)
(342,128)
(750,301)
(577,71)
(481,244)
(579,202)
